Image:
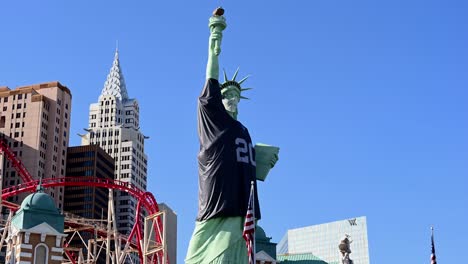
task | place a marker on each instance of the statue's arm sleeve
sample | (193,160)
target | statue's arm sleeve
(212,117)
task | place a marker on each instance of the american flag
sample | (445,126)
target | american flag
(433,256)
(249,227)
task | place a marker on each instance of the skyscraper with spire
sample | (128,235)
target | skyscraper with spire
(114,124)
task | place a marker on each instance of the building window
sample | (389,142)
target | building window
(41,254)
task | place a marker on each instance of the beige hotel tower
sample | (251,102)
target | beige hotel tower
(35,122)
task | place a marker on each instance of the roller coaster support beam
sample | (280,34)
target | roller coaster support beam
(109,226)
(6,228)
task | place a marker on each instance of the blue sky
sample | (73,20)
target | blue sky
(367,100)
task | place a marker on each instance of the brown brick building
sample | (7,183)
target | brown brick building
(37,231)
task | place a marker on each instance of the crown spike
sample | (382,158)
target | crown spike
(243,97)
(246,89)
(235,74)
(245,78)
(225,75)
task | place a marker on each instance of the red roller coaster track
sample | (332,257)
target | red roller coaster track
(145,199)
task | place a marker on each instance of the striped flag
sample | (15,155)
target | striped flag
(249,227)
(433,256)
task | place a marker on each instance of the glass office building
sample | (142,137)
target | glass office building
(323,240)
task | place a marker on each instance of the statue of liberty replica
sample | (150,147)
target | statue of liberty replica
(228,164)
(345,249)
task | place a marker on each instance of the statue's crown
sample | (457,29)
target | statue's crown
(228,84)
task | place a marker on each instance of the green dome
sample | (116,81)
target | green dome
(260,234)
(39,201)
(38,208)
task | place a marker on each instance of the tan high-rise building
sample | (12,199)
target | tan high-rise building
(171,232)
(35,122)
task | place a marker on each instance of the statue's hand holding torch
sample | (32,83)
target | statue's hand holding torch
(217,24)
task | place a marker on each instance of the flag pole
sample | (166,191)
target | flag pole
(432,237)
(252,188)
(249,225)
(433,255)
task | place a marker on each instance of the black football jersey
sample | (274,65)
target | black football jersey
(226,161)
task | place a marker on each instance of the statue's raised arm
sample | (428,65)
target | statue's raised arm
(217,24)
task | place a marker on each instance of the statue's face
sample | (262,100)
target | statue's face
(230,100)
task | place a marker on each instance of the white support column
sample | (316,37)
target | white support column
(109,227)
(89,252)
(7,227)
(80,257)
(112,216)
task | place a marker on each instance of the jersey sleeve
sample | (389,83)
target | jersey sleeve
(212,117)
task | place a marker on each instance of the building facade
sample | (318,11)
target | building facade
(114,125)
(89,161)
(171,232)
(304,258)
(265,249)
(35,122)
(37,231)
(263,243)
(322,240)
(93,162)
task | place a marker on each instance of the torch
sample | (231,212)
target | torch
(217,24)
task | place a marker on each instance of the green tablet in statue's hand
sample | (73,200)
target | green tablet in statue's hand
(266,157)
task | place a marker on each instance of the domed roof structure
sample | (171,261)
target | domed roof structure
(38,208)
(263,243)
(260,234)
(39,201)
